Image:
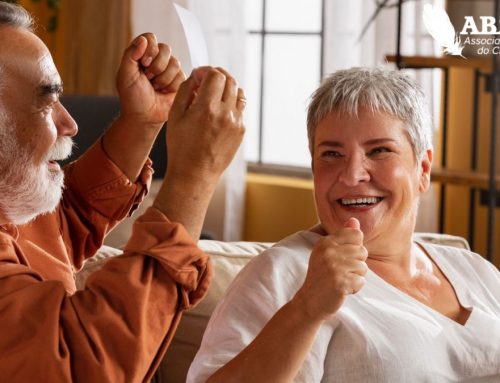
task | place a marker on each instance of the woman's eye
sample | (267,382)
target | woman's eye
(380,150)
(331,153)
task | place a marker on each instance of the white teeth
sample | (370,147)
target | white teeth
(360,201)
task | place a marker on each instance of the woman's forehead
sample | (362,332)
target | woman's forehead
(340,120)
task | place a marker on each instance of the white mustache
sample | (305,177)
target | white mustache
(61,150)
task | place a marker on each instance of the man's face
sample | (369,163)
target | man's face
(35,128)
(364,167)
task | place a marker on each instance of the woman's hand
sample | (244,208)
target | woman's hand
(337,267)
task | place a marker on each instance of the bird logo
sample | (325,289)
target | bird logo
(439,26)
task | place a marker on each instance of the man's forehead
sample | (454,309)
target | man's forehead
(26,57)
(48,71)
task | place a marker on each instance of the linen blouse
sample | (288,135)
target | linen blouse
(380,334)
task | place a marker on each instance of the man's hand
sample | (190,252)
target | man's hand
(205,130)
(147,81)
(336,269)
(206,126)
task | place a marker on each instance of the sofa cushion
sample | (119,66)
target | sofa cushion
(227,260)
(442,239)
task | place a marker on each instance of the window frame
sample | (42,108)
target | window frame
(265,167)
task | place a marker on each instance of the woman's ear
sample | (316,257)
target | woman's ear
(425,171)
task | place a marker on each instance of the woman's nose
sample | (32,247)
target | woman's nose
(66,125)
(354,171)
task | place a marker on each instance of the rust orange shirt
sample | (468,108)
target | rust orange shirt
(116,329)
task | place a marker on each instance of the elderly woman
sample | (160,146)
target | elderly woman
(356,299)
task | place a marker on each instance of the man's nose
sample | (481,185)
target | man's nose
(65,124)
(354,170)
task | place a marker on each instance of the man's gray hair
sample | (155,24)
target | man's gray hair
(13,15)
(380,90)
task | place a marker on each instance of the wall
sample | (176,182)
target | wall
(277,207)
(460,116)
(87,58)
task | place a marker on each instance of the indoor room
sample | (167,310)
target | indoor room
(279,52)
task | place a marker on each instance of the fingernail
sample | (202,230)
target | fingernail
(147,61)
(136,41)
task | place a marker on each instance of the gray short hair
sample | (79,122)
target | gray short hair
(381,90)
(13,15)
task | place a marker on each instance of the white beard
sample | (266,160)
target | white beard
(28,190)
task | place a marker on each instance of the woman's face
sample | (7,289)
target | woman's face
(364,167)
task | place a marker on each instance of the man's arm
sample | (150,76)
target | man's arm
(118,327)
(210,97)
(112,177)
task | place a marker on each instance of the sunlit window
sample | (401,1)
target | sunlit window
(283,67)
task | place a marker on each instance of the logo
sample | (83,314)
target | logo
(439,26)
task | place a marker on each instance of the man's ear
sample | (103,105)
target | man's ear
(425,171)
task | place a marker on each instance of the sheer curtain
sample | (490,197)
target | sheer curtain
(223,28)
(223,24)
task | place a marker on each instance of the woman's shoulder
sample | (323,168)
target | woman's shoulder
(468,264)
(295,248)
(286,260)
(457,255)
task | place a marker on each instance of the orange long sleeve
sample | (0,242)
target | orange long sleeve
(118,327)
(97,196)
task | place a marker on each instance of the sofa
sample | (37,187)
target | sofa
(227,258)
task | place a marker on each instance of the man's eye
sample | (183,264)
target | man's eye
(47,109)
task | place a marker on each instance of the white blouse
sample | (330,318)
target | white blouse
(379,335)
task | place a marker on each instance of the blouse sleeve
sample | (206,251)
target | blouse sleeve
(267,283)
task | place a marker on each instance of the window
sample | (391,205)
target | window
(291,44)
(284,55)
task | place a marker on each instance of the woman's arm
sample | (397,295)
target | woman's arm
(336,269)
(278,351)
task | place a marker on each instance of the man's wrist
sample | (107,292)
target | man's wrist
(143,125)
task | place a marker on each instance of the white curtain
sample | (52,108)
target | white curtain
(223,27)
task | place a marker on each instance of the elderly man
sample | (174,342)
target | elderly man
(118,327)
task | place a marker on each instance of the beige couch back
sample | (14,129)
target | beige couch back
(228,258)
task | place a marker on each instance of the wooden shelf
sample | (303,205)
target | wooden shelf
(442,62)
(463,178)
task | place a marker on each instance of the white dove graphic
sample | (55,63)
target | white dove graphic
(439,26)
